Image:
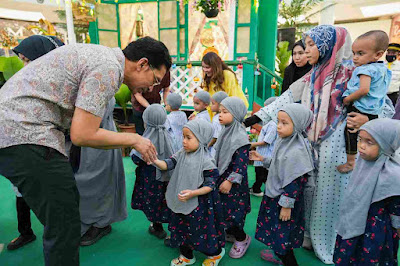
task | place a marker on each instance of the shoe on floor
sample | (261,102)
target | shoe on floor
(257,194)
(239,248)
(214,260)
(159,234)
(94,234)
(269,255)
(20,242)
(307,244)
(182,261)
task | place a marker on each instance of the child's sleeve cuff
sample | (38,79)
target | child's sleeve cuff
(286,202)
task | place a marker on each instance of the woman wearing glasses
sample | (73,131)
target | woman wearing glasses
(141,100)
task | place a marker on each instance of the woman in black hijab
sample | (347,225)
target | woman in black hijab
(36,46)
(298,68)
(28,50)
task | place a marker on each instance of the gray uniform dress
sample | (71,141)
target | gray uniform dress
(101,182)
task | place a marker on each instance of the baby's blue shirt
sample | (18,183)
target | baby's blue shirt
(373,102)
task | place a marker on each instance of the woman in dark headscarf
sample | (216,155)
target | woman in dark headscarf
(299,66)
(36,46)
(28,50)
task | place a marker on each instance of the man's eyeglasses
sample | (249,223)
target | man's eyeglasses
(157,81)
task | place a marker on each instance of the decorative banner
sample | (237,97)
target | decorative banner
(395,30)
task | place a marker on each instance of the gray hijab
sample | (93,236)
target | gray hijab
(219,96)
(371,181)
(174,100)
(233,136)
(154,118)
(292,156)
(270,100)
(203,96)
(188,173)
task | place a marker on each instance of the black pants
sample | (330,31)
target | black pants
(261,178)
(237,232)
(188,252)
(288,259)
(351,138)
(138,121)
(24,217)
(46,181)
(393,97)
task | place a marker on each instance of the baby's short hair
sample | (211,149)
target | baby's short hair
(380,37)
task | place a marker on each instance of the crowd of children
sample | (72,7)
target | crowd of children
(199,183)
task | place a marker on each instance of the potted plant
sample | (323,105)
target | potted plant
(210,8)
(122,97)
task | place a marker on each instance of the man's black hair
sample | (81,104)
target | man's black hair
(155,51)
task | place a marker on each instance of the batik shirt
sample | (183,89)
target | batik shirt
(38,102)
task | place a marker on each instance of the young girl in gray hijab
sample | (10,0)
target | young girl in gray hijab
(369,224)
(216,99)
(196,220)
(232,157)
(151,184)
(280,222)
(175,120)
(201,101)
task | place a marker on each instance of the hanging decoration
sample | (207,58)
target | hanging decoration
(139,24)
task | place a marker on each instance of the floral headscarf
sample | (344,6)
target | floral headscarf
(327,80)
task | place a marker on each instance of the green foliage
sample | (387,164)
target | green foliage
(10,65)
(297,14)
(122,97)
(206,5)
(282,57)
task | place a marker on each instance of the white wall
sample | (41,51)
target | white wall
(358,28)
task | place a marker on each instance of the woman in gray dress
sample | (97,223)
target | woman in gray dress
(100,179)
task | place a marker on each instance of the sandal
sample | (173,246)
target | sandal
(214,260)
(182,261)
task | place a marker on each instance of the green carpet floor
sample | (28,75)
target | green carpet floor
(128,244)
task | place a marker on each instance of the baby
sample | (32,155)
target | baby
(367,88)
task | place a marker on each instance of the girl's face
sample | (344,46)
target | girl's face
(214,106)
(190,142)
(285,125)
(24,59)
(207,69)
(199,105)
(312,52)
(225,118)
(367,146)
(299,56)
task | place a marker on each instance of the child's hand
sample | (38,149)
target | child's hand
(185,195)
(192,116)
(285,214)
(225,187)
(346,101)
(255,156)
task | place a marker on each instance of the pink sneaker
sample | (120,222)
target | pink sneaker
(269,255)
(239,248)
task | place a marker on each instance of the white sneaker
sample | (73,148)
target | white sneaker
(260,194)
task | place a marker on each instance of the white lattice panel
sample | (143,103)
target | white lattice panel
(187,81)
